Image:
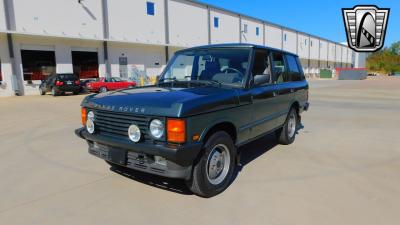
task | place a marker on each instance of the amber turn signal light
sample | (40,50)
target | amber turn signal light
(83,116)
(176,130)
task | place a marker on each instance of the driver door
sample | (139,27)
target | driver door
(263,96)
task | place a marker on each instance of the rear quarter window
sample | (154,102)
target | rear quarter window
(295,70)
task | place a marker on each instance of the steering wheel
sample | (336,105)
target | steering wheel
(234,70)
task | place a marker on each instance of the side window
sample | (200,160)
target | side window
(262,65)
(294,68)
(279,68)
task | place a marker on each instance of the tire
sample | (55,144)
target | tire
(103,90)
(287,134)
(42,92)
(208,178)
(54,92)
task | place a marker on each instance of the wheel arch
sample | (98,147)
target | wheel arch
(226,126)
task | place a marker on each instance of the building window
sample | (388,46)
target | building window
(216,22)
(257,31)
(285,37)
(311,43)
(245,28)
(150,8)
(305,42)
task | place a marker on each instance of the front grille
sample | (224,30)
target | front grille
(117,124)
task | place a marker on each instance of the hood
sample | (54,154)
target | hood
(161,101)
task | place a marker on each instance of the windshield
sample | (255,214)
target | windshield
(224,66)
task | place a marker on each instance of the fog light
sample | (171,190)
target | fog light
(160,160)
(134,133)
(90,126)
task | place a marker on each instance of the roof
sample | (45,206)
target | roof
(262,21)
(234,45)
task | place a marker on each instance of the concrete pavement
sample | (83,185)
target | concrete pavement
(342,169)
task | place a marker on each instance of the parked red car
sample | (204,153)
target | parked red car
(108,84)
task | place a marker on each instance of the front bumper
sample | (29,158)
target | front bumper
(140,156)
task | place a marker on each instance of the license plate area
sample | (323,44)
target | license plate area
(114,155)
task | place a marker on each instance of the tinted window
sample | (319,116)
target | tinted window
(216,22)
(67,77)
(150,8)
(280,69)
(294,68)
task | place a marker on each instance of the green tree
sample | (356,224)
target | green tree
(386,60)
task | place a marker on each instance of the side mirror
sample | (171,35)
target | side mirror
(262,79)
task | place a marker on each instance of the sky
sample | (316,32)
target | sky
(322,18)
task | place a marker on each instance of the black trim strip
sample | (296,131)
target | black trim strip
(261,121)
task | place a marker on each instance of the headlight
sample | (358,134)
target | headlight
(90,126)
(157,128)
(134,133)
(90,115)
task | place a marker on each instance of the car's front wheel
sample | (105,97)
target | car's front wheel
(213,171)
(287,133)
(103,90)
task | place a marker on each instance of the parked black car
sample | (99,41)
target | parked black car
(60,83)
(208,102)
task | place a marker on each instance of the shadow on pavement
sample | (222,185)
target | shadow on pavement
(249,153)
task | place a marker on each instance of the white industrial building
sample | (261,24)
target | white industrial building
(128,37)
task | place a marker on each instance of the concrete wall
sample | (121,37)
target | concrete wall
(140,58)
(228,30)
(314,48)
(251,35)
(6,84)
(188,24)
(128,21)
(338,56)
(289,43)
(303,43)
(331,53)
(60,18)
(2,17)
(323,53)
(273,36)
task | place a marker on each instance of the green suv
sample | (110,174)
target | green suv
(208,101)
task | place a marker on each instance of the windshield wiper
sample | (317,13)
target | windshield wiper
(207,82)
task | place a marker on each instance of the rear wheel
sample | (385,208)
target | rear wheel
(287,133)
(54,91)
(42,91)
(213,171)
(103,90)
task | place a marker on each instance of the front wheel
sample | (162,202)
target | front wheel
(103,90)
(287,133)
(213,171)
